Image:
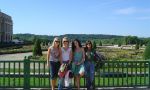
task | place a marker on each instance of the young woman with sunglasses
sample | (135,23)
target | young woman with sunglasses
(89,65)
(66,57)
(53,61)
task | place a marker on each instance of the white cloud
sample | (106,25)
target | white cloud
(143,18)
(103,4)
(132,10)
(126,11)
(110,2)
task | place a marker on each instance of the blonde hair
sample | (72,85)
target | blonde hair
(55,39)
(65,38)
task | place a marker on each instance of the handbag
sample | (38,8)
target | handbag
(62,70)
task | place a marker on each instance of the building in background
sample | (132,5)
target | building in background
(6,27)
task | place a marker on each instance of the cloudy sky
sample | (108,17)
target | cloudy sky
(57,17)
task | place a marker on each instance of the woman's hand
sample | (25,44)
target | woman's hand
(69,62)
(75,63)
(79,63)
(48,65)
(48,56)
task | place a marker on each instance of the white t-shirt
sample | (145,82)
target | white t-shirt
(65,54)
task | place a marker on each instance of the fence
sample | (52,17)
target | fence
(35,74)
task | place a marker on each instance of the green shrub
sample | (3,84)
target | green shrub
(37,51)
(94,45)
(137,47)
(100,43)
(147,52)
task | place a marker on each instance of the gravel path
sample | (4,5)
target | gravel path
(17,56)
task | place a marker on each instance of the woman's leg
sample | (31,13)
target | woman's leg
(81,73)
(75,80)
(70,87)
(92,70)
(92,73)
(60,83)
(78,82)
(87,74)
(53,73)
(53,84)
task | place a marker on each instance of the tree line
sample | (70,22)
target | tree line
(126,40)
(98,38)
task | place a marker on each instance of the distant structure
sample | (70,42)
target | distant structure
(6,27)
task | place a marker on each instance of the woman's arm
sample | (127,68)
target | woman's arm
(60,57)
(48,56)
(83,56)
(70,56)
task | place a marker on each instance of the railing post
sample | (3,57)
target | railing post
(149,72)
(26,74)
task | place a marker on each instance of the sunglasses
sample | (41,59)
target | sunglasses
(88,43)
(65,41)
(57,41)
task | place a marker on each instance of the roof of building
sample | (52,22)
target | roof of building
(4,15)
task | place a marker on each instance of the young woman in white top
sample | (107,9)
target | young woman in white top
(66,57)
(53,61)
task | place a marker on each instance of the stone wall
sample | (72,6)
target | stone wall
(6,27)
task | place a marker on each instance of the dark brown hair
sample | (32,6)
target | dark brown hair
(88,42)
(73,45)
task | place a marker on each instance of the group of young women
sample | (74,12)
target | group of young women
(80,59)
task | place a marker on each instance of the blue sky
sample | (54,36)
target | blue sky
(57,17)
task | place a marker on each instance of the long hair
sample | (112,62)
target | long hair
(56,38)
(88,42)
(65,38)
(73,45)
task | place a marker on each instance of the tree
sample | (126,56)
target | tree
(45,42)
(131,40)
(119,44)
(34,39)
(37,51)
(94,45)
(100,43)
(147,52)
(137,46)
(61,44)
(141,42)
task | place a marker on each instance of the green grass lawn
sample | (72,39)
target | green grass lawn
(39,82)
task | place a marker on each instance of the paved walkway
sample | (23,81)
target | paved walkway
(16,56)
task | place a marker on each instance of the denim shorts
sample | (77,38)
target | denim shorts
(54,67)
